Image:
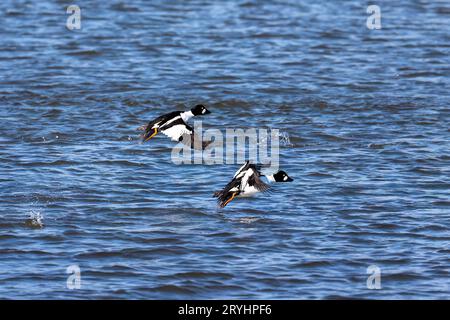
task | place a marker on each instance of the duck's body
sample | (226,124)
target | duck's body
(173,124)
(247,182)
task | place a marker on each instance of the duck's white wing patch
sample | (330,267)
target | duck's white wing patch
(176,131)
(245,178)
(241,169)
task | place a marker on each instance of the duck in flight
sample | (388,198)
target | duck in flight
(174,125)
(246,182)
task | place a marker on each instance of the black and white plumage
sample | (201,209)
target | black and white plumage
(173,124)
(246,182)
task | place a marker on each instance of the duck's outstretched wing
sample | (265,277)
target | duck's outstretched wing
(194,141)
(177,131)
(252,179)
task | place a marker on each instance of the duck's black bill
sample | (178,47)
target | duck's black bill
(289,179)
(207,111)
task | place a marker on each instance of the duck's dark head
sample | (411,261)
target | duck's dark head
(199,110)
(282,176)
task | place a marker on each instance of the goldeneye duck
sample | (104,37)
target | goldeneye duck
(246,182)
(173,124)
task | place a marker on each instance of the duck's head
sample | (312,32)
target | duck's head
(199,110)
(282,176)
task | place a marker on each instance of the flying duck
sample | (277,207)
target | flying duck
(246,182)
(173,124)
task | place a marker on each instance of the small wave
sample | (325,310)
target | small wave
(132,253)
(330,137)
(122,7)
(319,174)
(385,226)
(441,203)
(402,276)
(173,289)
(118,163)
(202,275)
(85,53)
(376,145)
(313,264)
(49,164)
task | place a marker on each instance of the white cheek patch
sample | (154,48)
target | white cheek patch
(203,111)
(285,178)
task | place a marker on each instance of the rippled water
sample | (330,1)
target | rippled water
(366,112)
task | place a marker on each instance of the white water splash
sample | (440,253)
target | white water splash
(35,219)
(248,220)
